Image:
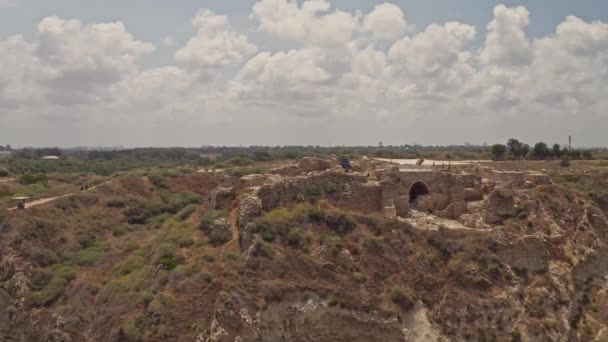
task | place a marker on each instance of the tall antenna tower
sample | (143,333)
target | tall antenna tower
(569,143)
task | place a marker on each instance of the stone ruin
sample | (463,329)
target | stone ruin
(367,189)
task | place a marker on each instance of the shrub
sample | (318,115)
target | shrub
(263,249)
(44,257)
(209,217)
(482,282)
(66,203)
(241,161)
(339,222)
(49,290)
(117,203)
(141,211)
(246,171)
(89,256)
(403,297)
(132,263)
(267,232)
(168,263)
(297,238)
(374,246)
(33,179)
(4,172)
(85,239)
(185,213)
(122,229)
(178,201)
(333,242)
(40,278)
(565,162)
(158,181)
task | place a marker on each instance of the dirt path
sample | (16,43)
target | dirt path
(6,180)
(52,199)
(233,245)
(428,162)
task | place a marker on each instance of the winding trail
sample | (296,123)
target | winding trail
(52,199)
(233,244)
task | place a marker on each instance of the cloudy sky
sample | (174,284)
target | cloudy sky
(317,72)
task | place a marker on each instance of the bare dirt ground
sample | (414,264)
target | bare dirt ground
(7,180)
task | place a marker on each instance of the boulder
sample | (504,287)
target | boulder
(221,232)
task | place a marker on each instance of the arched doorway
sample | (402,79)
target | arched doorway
(418,189)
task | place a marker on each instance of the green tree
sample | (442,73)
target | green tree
(557,151)
(524,150)
(514,147)
(499,151)
(541,151)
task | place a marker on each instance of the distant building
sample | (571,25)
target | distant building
(50,158)
(5,154)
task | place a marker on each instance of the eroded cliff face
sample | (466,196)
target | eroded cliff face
(313,257)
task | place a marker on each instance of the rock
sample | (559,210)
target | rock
(247,235)
(454,211)
(221,232)
(599,222)
(250,207)
(501,205)
(5,318)
(472,195)
(528,253)
(221,198)
(536,179)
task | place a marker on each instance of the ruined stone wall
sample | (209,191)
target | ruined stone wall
(305,165)
(364,197)
(331,184)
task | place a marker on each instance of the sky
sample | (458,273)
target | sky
(317,72)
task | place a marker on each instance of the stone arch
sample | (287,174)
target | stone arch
(418,188)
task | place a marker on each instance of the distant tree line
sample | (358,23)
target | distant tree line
(37,153)
(6,148)
(517,150)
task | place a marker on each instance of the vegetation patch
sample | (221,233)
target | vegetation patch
(404,298)
(50,284)
(88,256)
(209,217)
